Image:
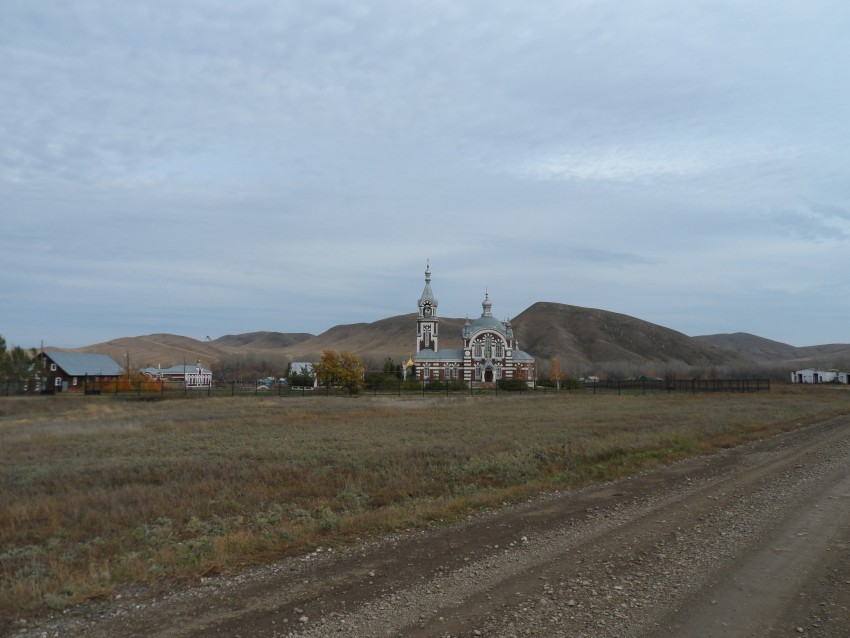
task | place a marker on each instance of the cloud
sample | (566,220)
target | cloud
(650,162)
(295,163)
(812,223)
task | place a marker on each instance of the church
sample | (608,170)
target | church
(489,353)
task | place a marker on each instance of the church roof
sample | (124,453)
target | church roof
(428,294)
(487,321)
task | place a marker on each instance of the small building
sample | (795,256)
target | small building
(78,371)
(192,376)
(813,375)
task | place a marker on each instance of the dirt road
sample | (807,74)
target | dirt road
(751,542)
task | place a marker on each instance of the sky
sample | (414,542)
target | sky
(209,167)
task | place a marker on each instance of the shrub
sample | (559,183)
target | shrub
(381,381)
(512,385)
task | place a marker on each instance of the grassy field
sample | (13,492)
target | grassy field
(99,492)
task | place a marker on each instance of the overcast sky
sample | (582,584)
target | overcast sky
(207,167)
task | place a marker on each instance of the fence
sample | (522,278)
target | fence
(680,385)
(152,390)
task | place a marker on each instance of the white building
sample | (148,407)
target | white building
(490,351)
(193,376)
(813,375)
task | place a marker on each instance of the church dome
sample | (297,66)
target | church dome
(487,321)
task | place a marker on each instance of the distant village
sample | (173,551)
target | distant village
(490,357)
(56,371)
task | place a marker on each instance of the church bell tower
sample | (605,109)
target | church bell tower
(427,324)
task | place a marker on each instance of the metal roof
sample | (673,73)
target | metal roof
(178,369)
(487,323)
(79,364)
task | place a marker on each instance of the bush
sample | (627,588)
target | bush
(512,385)
(571,383)
(300,380)
(435,385)
(381,381)
(567,383)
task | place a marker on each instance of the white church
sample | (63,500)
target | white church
(490,351)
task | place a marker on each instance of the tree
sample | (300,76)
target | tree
(389,367)
(555,372)
(343,369)
(327,369)
(3,368)
(18,368)
(351,372)
(4,365)
(298,378)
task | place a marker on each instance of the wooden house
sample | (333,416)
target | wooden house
(78,371)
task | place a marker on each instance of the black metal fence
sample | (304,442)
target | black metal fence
(176,389)
(679,385)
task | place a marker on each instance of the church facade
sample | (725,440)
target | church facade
(490,351)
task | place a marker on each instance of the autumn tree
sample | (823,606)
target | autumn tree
(327,369)
(343,369)
(555,372)
(352,369)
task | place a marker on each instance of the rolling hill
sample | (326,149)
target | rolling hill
(766,352)
(585,340)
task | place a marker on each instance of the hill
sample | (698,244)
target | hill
(580,337)
(262,340)
(169,349)
(157,349)
(767,352)
(592,339)
(585,340)
(394,337)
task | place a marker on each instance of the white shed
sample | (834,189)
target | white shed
(813,375)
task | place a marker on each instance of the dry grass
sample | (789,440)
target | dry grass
(97,492)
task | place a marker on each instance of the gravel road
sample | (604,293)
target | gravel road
(754,541)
